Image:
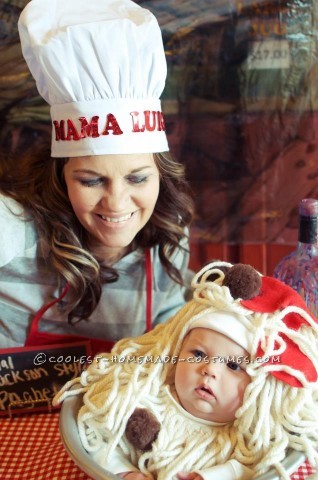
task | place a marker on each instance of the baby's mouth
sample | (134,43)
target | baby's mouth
(205,391)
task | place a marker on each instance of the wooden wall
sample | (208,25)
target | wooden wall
(264,257)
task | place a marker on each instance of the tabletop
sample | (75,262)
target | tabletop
(31,449)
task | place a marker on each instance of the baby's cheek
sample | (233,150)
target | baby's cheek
(242,388)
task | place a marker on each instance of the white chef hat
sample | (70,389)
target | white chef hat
(101,66)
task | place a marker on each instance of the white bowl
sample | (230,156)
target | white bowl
(74,447)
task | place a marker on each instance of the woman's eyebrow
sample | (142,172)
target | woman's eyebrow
(136,170)
(95,172)
(86,170)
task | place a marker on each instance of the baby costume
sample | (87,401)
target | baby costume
(279,411)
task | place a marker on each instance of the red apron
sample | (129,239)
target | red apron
(38,338)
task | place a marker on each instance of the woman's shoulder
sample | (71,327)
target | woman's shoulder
(15,229)
(9,208)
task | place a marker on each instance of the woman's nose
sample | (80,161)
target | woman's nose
(115,198)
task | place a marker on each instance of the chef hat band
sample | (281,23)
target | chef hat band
(101,67)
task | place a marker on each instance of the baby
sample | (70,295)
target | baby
(228,385)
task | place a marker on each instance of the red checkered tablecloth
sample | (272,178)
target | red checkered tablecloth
(31,449)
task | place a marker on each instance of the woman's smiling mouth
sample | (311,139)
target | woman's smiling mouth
(124,218)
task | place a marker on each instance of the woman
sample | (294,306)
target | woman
(94,240)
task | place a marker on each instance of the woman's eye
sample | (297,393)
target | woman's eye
(90,182)
(136,179)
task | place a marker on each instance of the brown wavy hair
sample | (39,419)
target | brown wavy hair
(37,182)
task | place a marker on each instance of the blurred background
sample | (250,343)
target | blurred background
(241,111)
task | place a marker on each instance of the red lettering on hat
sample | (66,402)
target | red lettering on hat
(135,120)
(59,130)
(161,122)
(72,133)
(153,120)
(112,124)
(89,129)
(149,127)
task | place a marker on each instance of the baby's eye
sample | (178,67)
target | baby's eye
(199,354)
(233,366)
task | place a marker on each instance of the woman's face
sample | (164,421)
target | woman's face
(113,197)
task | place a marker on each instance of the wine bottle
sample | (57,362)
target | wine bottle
(299,269)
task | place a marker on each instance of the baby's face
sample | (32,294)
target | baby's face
(210,377)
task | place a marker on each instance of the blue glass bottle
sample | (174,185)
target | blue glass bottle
(299,269)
